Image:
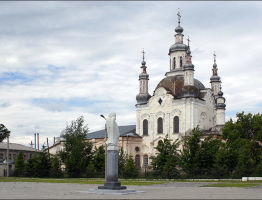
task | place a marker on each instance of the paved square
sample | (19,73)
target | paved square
(178,190)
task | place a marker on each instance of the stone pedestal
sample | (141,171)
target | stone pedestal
(112,182)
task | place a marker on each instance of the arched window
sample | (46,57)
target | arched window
(145,161)
(160,125)
(181,61)
(176,124)
(174,63)
(145,127)
(137,160)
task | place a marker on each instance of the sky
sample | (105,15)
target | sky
(60,60)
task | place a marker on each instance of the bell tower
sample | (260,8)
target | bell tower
(177,52)
(143,94)
(215,79)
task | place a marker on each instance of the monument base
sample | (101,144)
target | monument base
(112,186)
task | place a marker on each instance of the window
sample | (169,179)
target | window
(137,161)
(174,63)
(1,156)
(160,125)
(145,160)
(176,124)
(145,127)
(181,61)
(137,149)
(10,156)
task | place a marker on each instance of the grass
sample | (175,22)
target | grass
(77,180)
(100,181)
(231,184)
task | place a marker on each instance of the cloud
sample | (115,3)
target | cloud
(60,60)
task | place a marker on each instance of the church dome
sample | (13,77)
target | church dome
(142,98)
(178,47)
(175,86)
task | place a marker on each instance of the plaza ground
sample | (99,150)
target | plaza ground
(167,190)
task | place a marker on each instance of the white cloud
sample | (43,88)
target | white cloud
(63,52)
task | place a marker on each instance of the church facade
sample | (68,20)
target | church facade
(179,102)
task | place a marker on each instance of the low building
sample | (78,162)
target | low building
(14,150)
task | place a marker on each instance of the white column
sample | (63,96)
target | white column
(191,114)
(138,122)
(184,131)
(168,124)
(152,127)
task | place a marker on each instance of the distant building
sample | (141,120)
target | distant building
(14,150)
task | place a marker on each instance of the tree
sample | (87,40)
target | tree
(55,170)
(20,164)
(130,168)
(4,132)
(30,167)
(165,164)
(98,161)
(242,145)
(78,151)
(122,157)
(42,165)
(198,157)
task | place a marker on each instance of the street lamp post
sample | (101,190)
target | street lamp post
(105,143)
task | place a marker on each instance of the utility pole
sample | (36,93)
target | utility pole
(7,156)
(105,143)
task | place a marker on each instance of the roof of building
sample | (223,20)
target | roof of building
(175,86)
(129,130)
(14,146)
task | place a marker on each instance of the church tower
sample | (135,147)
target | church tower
(220,110)
(215,79)
(188,68)
(177,52)
(143,94)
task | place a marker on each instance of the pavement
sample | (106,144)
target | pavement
(174,190)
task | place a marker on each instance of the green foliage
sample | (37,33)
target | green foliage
(122,157)
(78,152)
(4,132)
(55,170)
(198,157)
(20,164)
(96,167)
(242,146)
(130,168)
(39,165)
(166,162)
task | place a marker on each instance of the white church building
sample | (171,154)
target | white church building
(179,102)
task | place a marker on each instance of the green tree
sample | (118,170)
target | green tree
(190,153)
(242,145)
(98,161)
(130,169)
(198,157)
(20,164)
(78,151)
(30,170)
(165,164)
(55,170)
(122,157)
(4,132)
(42,165)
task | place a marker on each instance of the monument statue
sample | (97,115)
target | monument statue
(111,164)
(112,132)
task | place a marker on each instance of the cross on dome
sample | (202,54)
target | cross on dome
(214,57)
(179,17)
(188,41)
